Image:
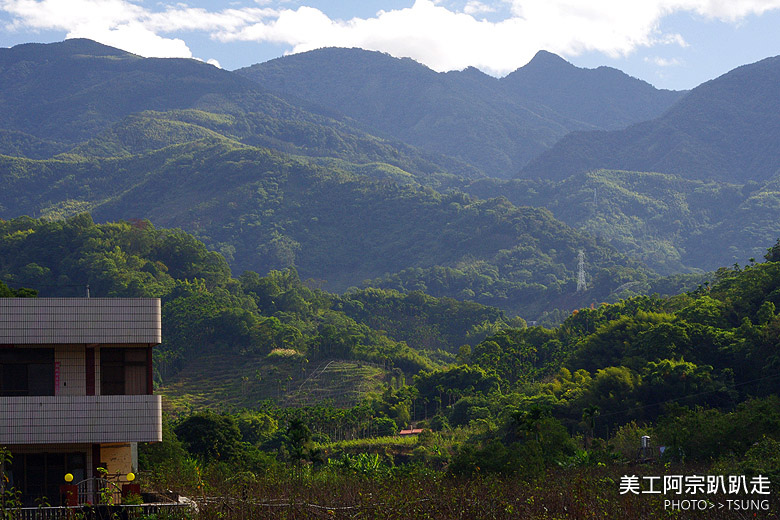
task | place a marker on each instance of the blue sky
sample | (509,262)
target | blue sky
(675,44)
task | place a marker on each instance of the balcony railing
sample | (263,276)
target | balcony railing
(132,512)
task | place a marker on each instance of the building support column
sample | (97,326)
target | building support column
(90,370)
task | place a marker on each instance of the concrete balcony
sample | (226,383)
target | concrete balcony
(80,419)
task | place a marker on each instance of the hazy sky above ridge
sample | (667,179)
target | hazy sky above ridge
(675,44)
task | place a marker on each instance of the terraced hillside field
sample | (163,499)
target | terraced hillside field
(216,381)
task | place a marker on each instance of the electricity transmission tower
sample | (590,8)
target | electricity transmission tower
(581,285)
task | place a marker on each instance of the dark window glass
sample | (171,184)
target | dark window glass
(55,474)
(40,379)
(26,371)
(76,466)
(112,379)
(35,475)
(112,356)
(123,371)
(15,380)
(38,476)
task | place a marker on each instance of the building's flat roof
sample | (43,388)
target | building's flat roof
(36,321)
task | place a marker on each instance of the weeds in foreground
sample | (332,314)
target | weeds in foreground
(353,490)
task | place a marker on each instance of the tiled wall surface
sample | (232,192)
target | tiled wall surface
(80,419)
(80,320)
(71,376)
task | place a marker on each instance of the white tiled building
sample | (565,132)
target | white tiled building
(76,388)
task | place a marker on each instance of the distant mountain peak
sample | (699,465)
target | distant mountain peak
(471,72)
(340,54)
(516,117)
(41,52)
(725,129)
(91,46)
(547,59)
(70,46)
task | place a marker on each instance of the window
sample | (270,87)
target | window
(123,371)
(26,371)
(39,475)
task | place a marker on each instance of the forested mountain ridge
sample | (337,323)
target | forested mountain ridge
(725,129)
(150,131)
(496,125)
(71,90)
(604,97)
(278,319)
(188,145)
(265,210)
(672,224)
(108,102)
(272,184)
(644,365)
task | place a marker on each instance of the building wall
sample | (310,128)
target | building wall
(118,459)
(97,371)
(71,370)
(71,426)
(80,419)
(36,321)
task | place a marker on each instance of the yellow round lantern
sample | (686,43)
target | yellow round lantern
(130,477)
(68,477)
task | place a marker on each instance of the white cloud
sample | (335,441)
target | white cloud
(135,38)
(113,22)
(182,18)
(428,31)
(126,25)
(729,10)
(476,7)
(664,62)
(672,39)
(446,39)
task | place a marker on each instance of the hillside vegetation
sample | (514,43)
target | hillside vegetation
(253,337)
(272,183)
(511,404)
(460,351)
(681,370)
(671,223)
(264,210)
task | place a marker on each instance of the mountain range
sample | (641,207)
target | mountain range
(497,125)
(726,129)
(360,169)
